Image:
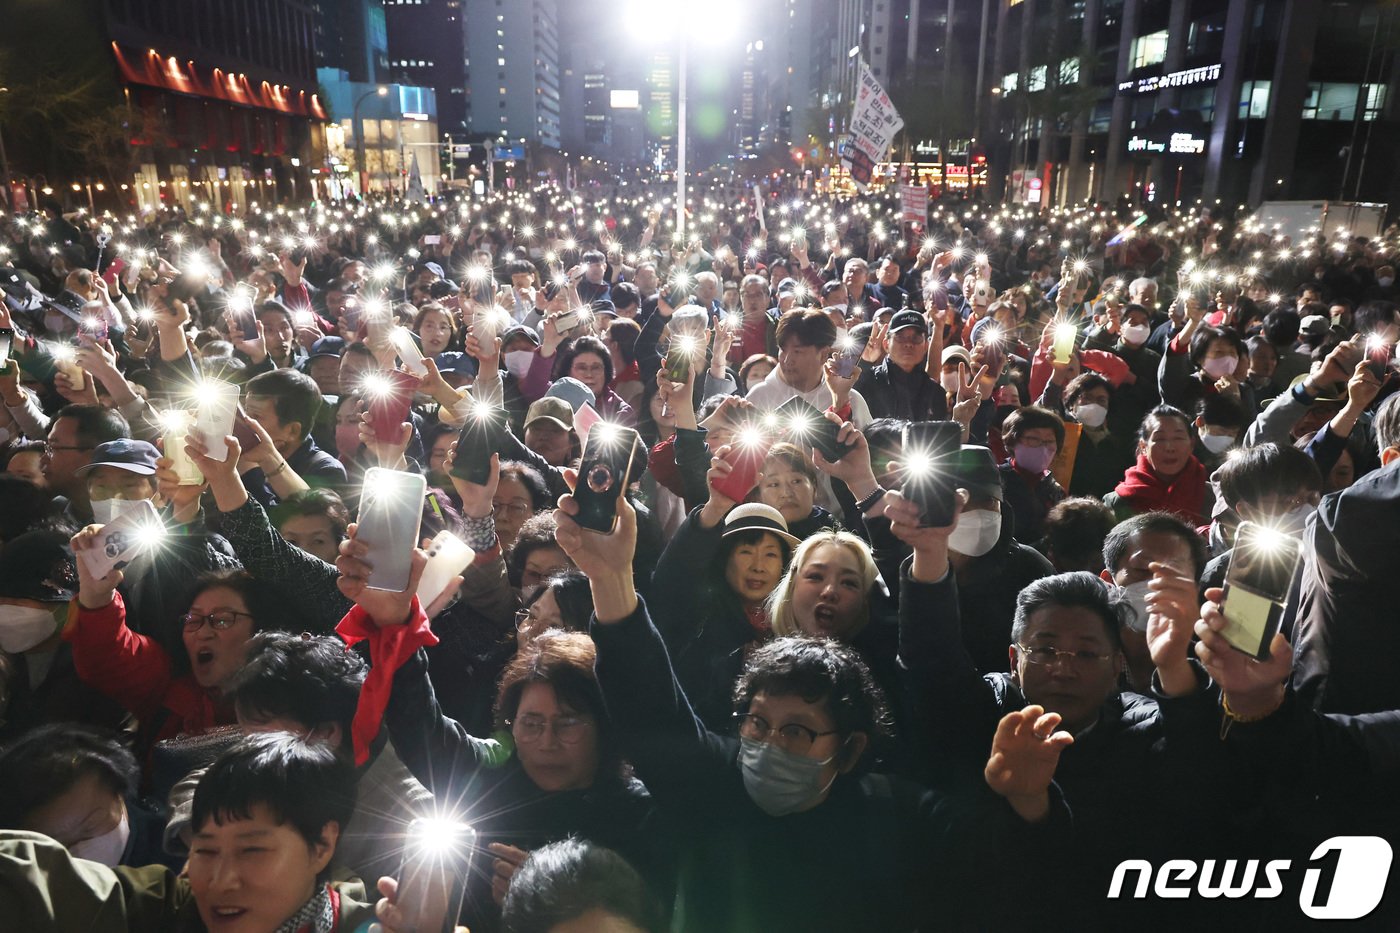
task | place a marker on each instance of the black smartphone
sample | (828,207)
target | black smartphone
(482,435)
(7,342)
(185,286)
(808,427)
(927,469)
(433,873)
(1257,585)
(679,356)
(603,475)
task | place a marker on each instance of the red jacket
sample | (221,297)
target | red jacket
(136,672)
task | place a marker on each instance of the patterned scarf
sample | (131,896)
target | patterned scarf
(315,916)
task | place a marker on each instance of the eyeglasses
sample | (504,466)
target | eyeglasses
(792,737)
(569,730)
(218,621)
(511,509)
(527,621)
(50,448)
(1045,655)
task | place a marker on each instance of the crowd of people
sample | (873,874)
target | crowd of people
(775,666)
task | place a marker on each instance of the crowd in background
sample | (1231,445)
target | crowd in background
(775,695)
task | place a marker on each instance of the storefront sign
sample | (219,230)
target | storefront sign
(1205,74)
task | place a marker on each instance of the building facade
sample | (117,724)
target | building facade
(512,70)
(427,47)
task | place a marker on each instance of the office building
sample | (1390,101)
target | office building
(512,70)
(427,47)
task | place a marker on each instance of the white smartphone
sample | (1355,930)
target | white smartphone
(218,407)
(484,326)
(448,555)
(433,872)
(121,540)
(432,239)
(407,349)
(177,428)
(566,322)
(391,513)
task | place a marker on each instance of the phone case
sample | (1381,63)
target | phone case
(389,410)
(120,541)
(933,492)
(585,418)
(566,322)
(391,513)
(677,364)
(1257,586)
(433,874)
(215,416)
(7,340)
(448,555)
(407,349)
(1064,344)
(748,461)
(481,436)
(178,428)
(808,427)
(243,431)
(604,472)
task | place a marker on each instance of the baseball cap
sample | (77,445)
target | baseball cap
(602,306)
(787,285)
(908,318)
(976,471)
(551,409)
(1315,325)
(124,454)
(453,361)
(519,330)
(328,346)
(38,565)
(575,393)
(435,269)
(956,354)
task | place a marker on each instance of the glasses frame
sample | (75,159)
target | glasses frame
(208,619)
(578,726)
(785,742)
(1073,658)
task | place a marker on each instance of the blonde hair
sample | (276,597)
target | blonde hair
(780,601)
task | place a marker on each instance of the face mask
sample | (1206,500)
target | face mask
(1385,281)
(1091,415)
(840,307)
(950,383)
(1135,335)
(518,362)
(976,534)
(106,511)
(779,781)
(1295,521)
(1217,443)
(347,439)
(23,627)
(1135,594)
(1033,459)
(1220,366)
(107,848)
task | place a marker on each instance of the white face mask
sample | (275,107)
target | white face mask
(23,627)
(1217,443)
(106,511)
(1135,335)
(518,362)
(840,307)
(950,383)
(977,533)
(1091,415)
(1295,521)
(107,848)
(1385,281)
(1136,596)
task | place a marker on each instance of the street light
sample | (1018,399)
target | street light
(657,19)
(380,91)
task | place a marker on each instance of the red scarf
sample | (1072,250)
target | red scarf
(1185,495)
(389,648)
(633,373)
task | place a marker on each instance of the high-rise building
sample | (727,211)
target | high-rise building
(512,73)
(1241,100)
(427,47)
(352,35)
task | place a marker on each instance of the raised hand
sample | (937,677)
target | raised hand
(383,607)
(477,501)
(93,592)
(1172,612)
(1025,751)
(1252,688)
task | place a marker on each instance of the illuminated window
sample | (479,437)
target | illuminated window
(1150,49)
(1254,100)
(1035,81)
(1008,82)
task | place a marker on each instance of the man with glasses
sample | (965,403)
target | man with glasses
(75,433)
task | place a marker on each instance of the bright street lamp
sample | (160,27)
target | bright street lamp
(380,91)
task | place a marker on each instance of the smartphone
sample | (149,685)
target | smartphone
(678,356)
(1378,357)
(243,431)
(65,359)
(185,286)
(122,540)
(566,322)
(177,428)
(747,451)
(484,325)
(585,418)
(407,349)
(391,513)
(1063,348)
(848,351)
(7,342)
(679,295)
(926,465)
(603,474)
(242,316)
(808,427)
(94,326)
(432,239)
(483,287)
(482,435)
(215,416)
(433,874)
(1257,585)
(387,403)
(448,555)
